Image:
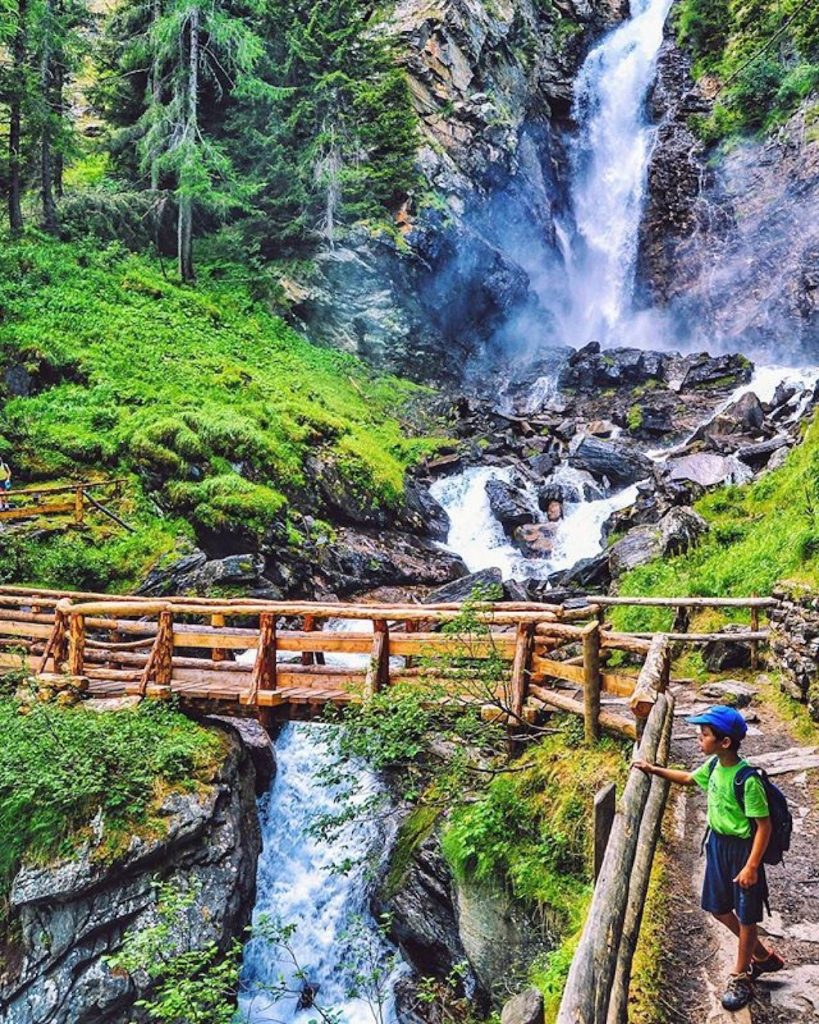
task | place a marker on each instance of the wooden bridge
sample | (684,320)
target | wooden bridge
(284,660)
(67,500)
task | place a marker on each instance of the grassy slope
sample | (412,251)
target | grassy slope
(761,533)
(200,393)
(761,84)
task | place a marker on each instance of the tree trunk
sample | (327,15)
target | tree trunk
(60,110)
(156,93)
(46,155)
(185,221)
(15,120)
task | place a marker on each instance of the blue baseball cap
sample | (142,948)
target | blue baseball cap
(723,719)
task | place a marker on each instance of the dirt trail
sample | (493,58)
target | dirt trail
(698,953)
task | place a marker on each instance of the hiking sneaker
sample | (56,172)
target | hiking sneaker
(739,993)
(773,962)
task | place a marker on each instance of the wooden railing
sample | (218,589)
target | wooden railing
(71,499)
(185,645)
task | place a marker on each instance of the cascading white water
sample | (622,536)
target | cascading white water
(609,166)
(295,885)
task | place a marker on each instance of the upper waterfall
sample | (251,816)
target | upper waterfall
(610,156)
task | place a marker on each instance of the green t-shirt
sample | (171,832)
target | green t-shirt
(724,813)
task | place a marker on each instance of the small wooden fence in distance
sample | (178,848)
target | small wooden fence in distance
(71,499)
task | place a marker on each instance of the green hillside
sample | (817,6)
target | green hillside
(204,400)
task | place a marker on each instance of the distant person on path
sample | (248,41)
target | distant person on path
(5,485)
(734,890)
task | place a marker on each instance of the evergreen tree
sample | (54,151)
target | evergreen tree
(196,52)
(333,137)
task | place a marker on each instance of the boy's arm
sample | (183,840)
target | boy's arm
(681,778)
(762,836)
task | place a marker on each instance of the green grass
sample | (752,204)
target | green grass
(210,403)
(61,767)
(760,534)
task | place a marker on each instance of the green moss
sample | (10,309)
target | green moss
(201,396)
(59,768)
(634,417)
(415,828)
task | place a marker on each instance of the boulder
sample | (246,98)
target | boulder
(589,369)
(745,417)
(719,655)
(677,531)
(524,1008)
(508,503)
(706,469)
(422,513)
(461,589)
(760,454)
(729,691)
(616,461)
(717,373)
(588,572)
(362,560)
(543,464)
(536,540)
(341,494)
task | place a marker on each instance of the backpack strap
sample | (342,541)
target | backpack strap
(712,764)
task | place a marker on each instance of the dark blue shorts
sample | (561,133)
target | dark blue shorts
(725,857)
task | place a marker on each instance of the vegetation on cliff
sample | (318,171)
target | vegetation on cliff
(207,403)
(760,533)
(61,768)
(764,55)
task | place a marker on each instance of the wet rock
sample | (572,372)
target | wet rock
(616,461)
(509,505)
(681,529)
(713,373)
(745,417)
(588,572)
(590,370)
(536,540)
(17,380)
(196,574)
(462,589)
(359,560)
(524,1008)
(256,742)
(340,493)
(543,464)
(553,493)
(422,513)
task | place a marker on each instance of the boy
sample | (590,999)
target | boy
(734,890)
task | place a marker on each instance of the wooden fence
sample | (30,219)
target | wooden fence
(71,499)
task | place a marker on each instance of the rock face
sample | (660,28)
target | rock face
(73,914)
(674,534)
(615,461)
(488,83)
(732,248)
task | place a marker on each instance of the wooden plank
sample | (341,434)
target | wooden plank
(520,669)
(557,670)
(610,722)
(620,685)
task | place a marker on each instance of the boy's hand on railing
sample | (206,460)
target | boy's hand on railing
(644,766)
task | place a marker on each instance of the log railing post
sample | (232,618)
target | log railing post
(76,643)
(754,643)
(217,621)
(163,665)
(264,668)
(591,682)
(410,626)
(520,671)
(308,657)
(605,801)
(378,671)
(57,644)
(78,505)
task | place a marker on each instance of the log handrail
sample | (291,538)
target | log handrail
(86,485)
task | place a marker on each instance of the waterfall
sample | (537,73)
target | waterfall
(609,166)
(334,934)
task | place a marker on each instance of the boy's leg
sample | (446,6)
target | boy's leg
(759,952)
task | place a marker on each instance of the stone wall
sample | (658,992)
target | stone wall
(795,642)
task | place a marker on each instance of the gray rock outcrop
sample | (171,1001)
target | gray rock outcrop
(74,913)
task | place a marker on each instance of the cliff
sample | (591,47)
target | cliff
(489,84)
(73,913)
